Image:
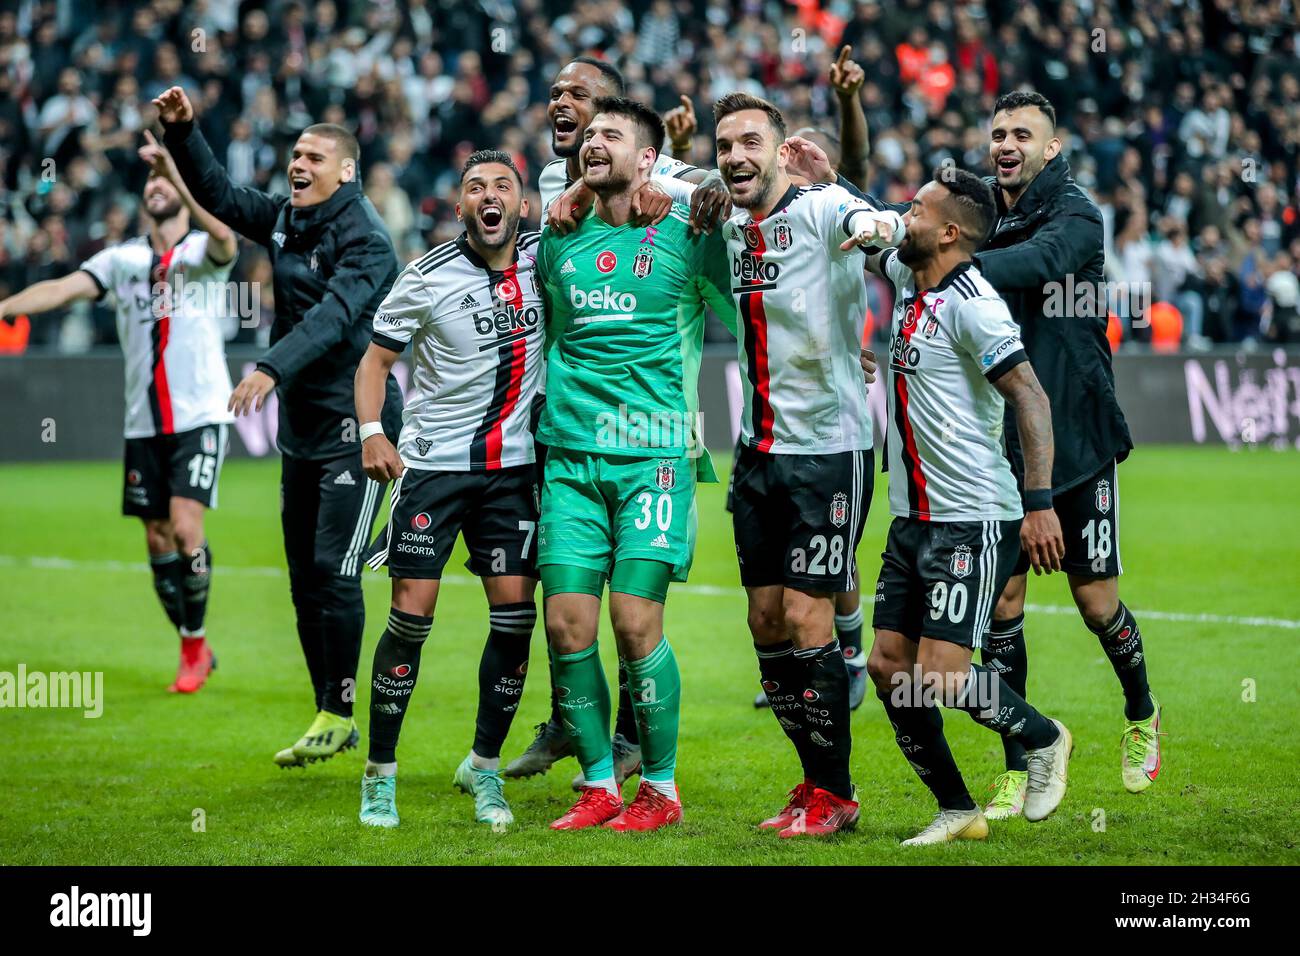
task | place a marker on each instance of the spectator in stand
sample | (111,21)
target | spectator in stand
(1283,294)
(1194,106)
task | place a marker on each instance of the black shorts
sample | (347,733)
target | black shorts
(942,579)
(327,508)
(183,465)
(496,511)
(798,518)
(1089,516)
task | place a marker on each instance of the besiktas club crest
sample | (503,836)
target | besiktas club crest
(839,509)
(666,475)
(961,562)
(782,235)
(642,264)
(1103,496)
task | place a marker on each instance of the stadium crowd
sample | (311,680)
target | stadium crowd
(1181,116)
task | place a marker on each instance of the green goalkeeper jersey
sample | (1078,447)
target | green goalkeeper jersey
(625,328)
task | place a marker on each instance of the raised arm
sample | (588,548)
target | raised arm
(855,145)
(1040,534)
(51,294)
(681,125)
(248,211)
(222,244)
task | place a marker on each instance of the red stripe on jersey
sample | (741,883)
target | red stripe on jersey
(160,364)
(518,361)
(917,475)
(760,377)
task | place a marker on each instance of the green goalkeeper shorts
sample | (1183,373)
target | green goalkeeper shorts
(598,509)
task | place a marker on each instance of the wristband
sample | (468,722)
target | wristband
(1040,499)
(370,428)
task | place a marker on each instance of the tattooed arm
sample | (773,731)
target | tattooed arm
(1040,534)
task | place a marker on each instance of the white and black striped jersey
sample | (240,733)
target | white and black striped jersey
(170,309)
(947,347)
(667,174)
(476,335)
(801,305)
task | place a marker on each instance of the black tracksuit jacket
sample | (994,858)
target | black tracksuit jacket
(332,264)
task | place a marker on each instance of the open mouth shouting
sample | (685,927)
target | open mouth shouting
(1009,165)
(491,218)
(565,126)
(596,162)
(741,179)
(298,184)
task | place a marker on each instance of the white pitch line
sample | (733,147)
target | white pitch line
(52,563)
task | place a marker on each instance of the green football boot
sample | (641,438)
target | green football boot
(329,734)
(379,801)
(487,789)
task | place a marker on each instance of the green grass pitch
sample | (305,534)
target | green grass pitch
(1205,532)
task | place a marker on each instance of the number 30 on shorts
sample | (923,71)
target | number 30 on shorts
(663,511)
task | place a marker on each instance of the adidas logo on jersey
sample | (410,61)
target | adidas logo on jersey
(819,740)
(345,479)
(469,302)
(660,542)
(568,268)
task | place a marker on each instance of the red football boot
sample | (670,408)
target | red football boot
(795,807)
(649,811)
(197,662)
(594,807)
(825,814)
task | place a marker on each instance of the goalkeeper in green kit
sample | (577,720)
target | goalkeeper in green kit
(626,312)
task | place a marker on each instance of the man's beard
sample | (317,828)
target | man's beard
(615,182)
(510,224)
(564,152)
(760,196)
(170,211)
(1028,171)
(912,253)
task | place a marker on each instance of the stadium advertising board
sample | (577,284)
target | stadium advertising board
(69,408)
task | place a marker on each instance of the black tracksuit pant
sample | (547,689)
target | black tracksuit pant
(327,508)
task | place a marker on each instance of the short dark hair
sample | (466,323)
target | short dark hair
(1018,98)
(343,139)
(481,156)
(735,102)
(970,200)
(609,70)
(649,127)
(835,152)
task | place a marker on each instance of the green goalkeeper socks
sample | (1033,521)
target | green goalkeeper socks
(656,689)
(584,706)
